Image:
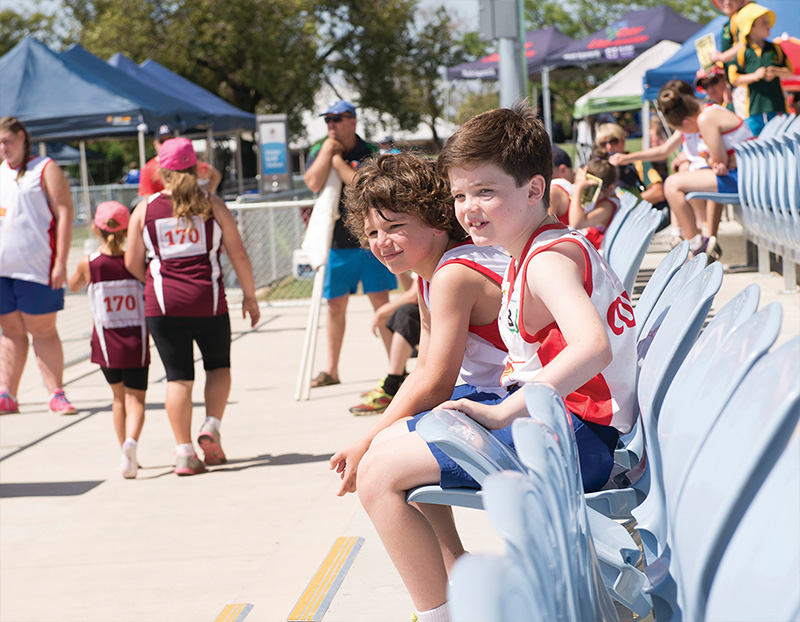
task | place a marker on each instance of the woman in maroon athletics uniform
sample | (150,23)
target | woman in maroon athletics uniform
(182,231)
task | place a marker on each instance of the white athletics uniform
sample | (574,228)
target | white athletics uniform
(608,398)
(485,352)
(27,225)
(565,186)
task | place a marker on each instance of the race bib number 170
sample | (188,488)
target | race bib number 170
(176,240)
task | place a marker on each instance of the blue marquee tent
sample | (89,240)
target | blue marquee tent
(58,99)
(182,114)
(224,117)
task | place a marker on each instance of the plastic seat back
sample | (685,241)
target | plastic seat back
(750,435)
(665,270)
(625,257)
(489,587)
(758,576)
(732,342)
(626,205)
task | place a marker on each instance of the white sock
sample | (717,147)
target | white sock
(440,614)
(696,242)
(214,422)
(130,442)
(675,232)
(185,448)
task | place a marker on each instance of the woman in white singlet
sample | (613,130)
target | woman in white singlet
(35,235)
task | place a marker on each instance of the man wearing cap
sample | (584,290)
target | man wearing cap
(348,263)
(150,181)
(386,145)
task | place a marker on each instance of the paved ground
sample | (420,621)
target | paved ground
(79,543)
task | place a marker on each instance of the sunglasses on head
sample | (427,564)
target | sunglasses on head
(711,81)
(335,118)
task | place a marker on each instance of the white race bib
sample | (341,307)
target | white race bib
(176,240)
(118,303)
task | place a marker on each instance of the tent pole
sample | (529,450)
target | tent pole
(142,158)
(85,178)
(548,121)
(209,146)
(645,125)
(239,174)
(42,148)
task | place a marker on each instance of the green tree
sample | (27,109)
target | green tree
(14,26)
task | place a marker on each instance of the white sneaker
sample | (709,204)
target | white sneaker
(128,464)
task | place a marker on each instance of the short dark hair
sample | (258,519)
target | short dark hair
(405,183)
(561,157)
(513,139)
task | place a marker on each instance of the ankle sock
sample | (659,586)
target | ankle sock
(440,614)
(129,442)
(185,448)
(392,383)
(214,422)
(696,242)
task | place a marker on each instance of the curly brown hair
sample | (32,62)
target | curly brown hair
(405,183)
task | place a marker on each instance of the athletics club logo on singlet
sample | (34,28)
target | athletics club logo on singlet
(620,314)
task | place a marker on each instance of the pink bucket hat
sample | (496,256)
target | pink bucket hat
(111,216)
(177,154)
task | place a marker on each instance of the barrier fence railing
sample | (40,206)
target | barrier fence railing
(272,233)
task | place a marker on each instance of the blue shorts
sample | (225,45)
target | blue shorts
(757,122)
(29,297)
(347,266)
(596,445)
(728,183)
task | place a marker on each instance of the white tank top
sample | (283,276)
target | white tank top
(609,397)
(485,352)
(27,225)
(696,150)
(732,137)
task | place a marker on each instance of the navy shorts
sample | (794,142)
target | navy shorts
(728,183)
(596,445)
(173,337)
(131,378)
(29,297)
(347,266)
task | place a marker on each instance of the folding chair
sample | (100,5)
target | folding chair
(625,256)
(492,588)
(758,575)
(626,204)
(733,341)
(666,269)
(750,435)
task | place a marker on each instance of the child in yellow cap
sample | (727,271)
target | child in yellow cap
(759,65)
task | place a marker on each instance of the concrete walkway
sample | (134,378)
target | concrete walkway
(79,543)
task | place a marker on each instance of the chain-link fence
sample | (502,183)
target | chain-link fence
(272,233)
(127,194)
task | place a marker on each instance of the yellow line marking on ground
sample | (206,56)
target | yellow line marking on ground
(319,593)
(234,613)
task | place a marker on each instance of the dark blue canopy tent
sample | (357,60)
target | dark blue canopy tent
(224,117)
(626,38)
(58,99)
(538,45)
(182,113)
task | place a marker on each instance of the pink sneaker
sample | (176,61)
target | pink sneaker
(188,464)
(59,404)
(210,442)
(8,403)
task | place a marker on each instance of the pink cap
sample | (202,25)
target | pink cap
(177,154)
(111,216)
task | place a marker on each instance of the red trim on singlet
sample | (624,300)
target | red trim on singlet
(588,285)
(490,332)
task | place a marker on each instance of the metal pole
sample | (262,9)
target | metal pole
(510,88)
(239,172)
(645,120)
(142,157)
(548,120)
(85,178)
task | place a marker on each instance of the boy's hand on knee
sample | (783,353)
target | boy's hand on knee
(345,463)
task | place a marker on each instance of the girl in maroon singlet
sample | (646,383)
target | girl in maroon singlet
(119,337)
